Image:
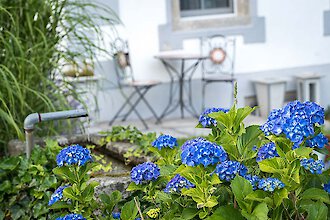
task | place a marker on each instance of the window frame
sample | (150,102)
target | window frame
(175,30)
(208,11)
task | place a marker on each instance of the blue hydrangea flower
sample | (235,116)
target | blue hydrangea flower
(267,151)
(191,142)
(57,195)
(326,187)
(314,166)
(165,141)
(116,215)
(207,121)
(202,152)
(296,121)
(318,141)
(145,172)
(227,170)
(315,112)
(74,154)
(71,217)
(177,183)
(254,180)
(270,184)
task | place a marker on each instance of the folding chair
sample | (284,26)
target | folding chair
(219,68)
(126,79)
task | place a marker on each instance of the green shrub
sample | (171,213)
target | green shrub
(26,184)
(37,38)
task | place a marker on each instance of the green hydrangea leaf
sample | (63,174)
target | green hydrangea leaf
(260,196)
(129,211)
(241,188)
(279,196)
(225,213)
(189,213)
(273,165)
(134,187)
(316,210)
(316,194)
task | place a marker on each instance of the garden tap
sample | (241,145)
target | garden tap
(35,118)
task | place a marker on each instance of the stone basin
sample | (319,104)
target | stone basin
(116,179)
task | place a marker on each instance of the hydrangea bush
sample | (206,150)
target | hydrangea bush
(270,171)
(75,199)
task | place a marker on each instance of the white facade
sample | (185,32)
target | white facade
(294,44)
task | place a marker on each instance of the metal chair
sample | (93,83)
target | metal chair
(125,79)
(219,67)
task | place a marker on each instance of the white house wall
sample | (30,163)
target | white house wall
(294,44)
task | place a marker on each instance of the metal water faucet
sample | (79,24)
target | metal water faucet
(35,118)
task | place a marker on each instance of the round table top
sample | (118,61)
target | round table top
(180,55)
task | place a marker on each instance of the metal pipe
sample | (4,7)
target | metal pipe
(35,118)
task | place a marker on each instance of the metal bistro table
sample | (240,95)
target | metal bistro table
(181,73)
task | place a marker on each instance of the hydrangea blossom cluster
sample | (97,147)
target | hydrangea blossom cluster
(227,170)
(165,141)
(314,166)
(326,187)
(267,151)
(57,195)
(318,141)
(74,154)
(270,184)
(116,215)
(207,121)
(191,142)
(254,180)
(145,172)
(295,120)
(202,152)
(72,217)
(177,183)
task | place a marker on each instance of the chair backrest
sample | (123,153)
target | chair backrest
(221,52)
(122,63)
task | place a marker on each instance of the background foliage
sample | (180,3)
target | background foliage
(37,38)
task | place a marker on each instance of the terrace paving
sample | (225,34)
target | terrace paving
(177,127)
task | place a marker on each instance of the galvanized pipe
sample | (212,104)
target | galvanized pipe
(35,118)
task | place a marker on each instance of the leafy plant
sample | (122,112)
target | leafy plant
(255,172)
(76,195)
(131,135)
(38,37)
(26,185)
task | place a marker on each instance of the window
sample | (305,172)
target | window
(239,18)
(189,8)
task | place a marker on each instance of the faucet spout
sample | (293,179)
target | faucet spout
(34,118)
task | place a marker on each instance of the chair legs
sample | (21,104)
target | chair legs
(140,92)
(146,102)
(135,103)
(203,95)
(204,84)
(132,107)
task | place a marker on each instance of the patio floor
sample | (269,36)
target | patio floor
(177,127)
